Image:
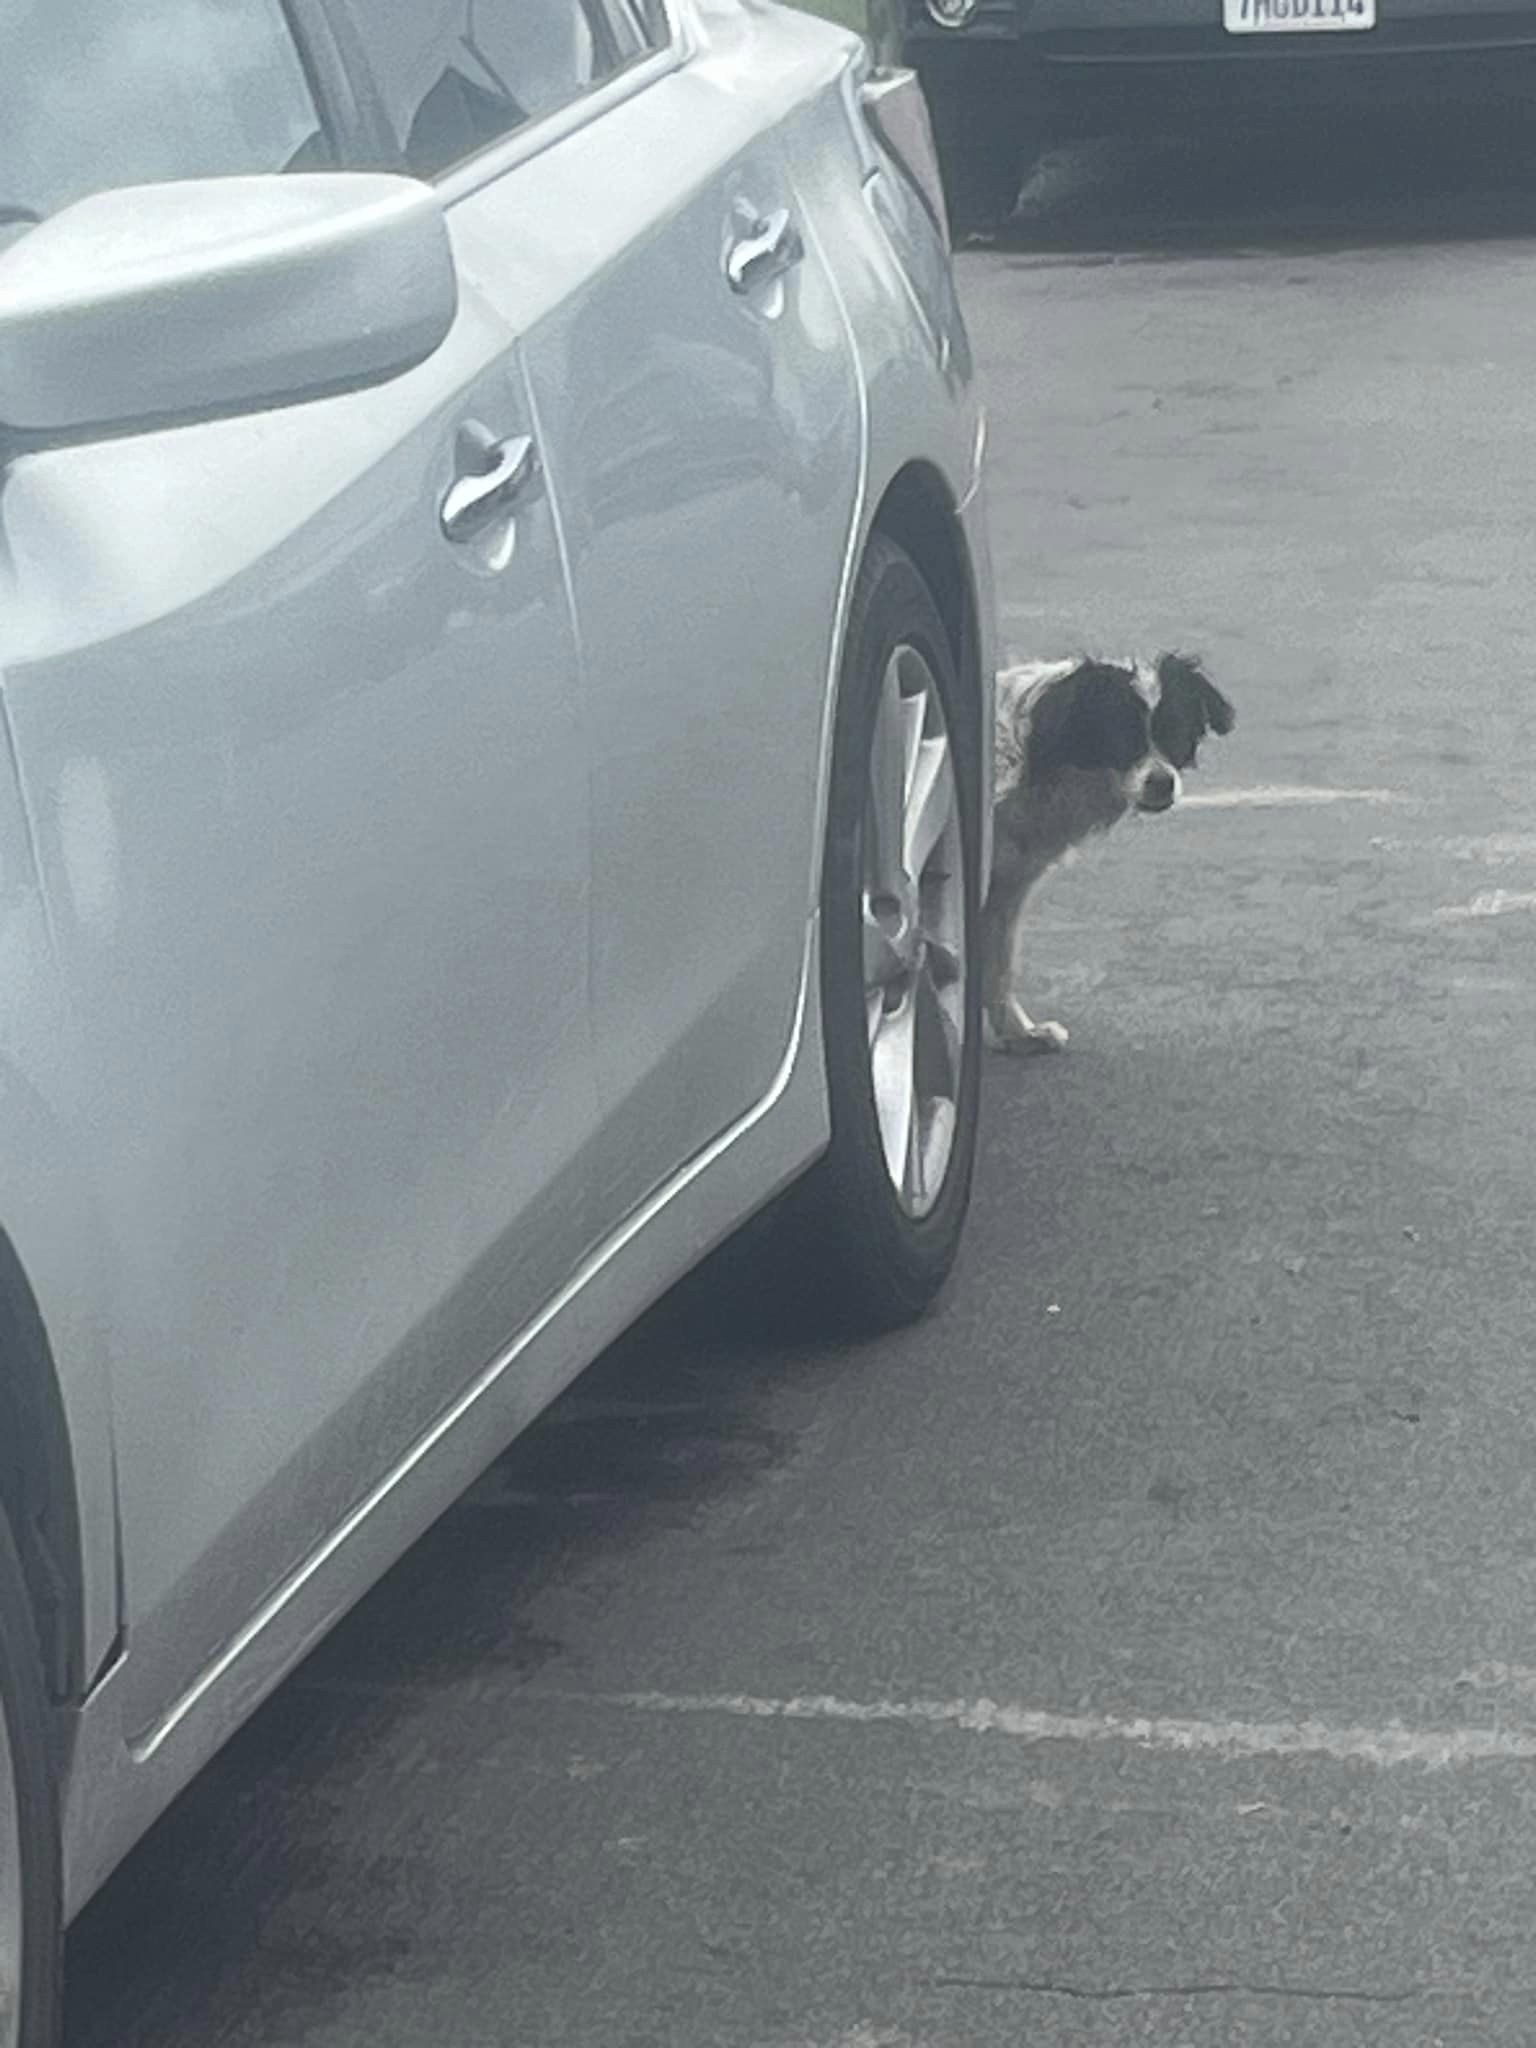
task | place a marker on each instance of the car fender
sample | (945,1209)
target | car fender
(50,1219)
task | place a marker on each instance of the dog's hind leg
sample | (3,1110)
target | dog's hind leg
(1006,1024)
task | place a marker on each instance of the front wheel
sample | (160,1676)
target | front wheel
(878,1220)
(30,1936)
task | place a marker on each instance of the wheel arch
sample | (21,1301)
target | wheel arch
(37,1480)
(919,513)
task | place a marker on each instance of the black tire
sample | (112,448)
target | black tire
(862,1262)
(986,128)
(26,1757)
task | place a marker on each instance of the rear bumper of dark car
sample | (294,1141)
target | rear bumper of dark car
(1090,68)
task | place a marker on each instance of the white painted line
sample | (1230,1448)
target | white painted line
(1430,1748)
(1274,795)
(1493,848)
(1493,1676)
(1488,903)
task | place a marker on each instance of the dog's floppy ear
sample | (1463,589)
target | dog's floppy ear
(1092,717)
(1189,706)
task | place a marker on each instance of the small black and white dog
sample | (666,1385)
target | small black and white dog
(1079,744)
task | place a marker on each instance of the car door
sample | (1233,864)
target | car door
(698,416)
(296,709)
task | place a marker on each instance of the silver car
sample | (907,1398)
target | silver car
(495,652)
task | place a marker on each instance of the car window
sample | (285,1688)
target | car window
(457,75)
(97,93)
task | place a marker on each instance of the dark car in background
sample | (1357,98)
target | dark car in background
(1005,78)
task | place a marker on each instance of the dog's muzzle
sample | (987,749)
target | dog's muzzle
(1157,791)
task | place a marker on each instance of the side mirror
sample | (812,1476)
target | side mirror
(156,304)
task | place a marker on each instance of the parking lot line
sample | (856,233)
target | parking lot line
(1279,795)
(1488,903)
(1387,1747)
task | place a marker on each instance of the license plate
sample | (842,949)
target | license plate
(1295,17)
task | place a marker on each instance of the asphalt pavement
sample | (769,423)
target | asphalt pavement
(1143,1649)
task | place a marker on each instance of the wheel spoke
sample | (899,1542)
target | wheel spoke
(943,964)
(936,1046)
(882,961)
(930,803)
(914,714)
(883,869)
(914,1167)
(890,1059)
(935,1041)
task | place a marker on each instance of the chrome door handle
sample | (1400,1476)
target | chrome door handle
(490,476)
(770,246)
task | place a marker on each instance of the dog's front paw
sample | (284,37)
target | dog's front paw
(1011,1031)
(1047,1037)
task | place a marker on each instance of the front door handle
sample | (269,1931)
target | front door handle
(490,476)
(771,246)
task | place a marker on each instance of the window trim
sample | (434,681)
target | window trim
(475,172)
(360,135)
(316,54)
(636,12)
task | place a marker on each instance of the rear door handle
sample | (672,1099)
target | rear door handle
(490,475)
(771,246)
